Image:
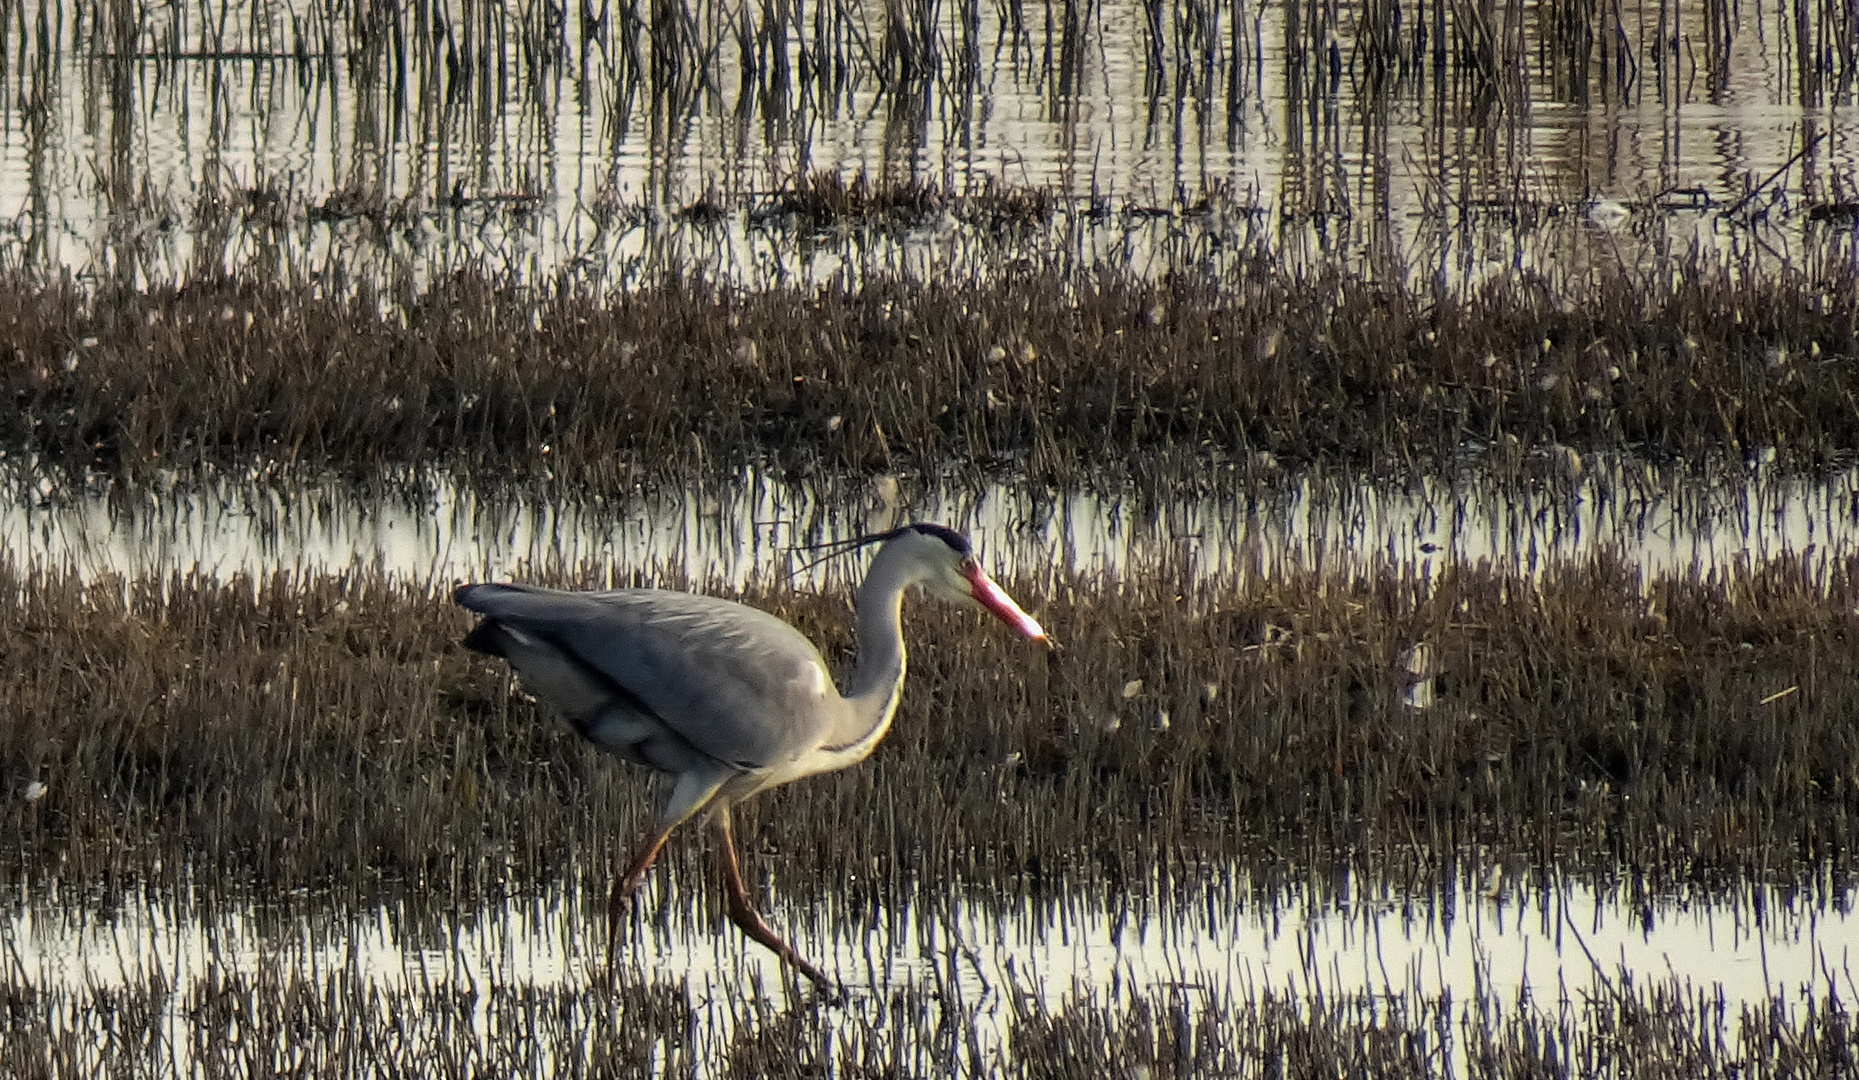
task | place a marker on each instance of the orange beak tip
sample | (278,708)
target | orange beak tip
(996,600)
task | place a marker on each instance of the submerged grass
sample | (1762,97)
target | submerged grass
(339,1022)
(1257,368)
(329,732)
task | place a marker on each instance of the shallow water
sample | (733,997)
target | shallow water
(1664,522)
(275,137)
(1487,941)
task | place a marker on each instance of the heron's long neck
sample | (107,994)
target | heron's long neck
(878,677)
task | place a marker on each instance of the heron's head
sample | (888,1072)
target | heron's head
(949,570)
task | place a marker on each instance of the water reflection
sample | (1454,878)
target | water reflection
(1481,942)
(435,532)
(529,141)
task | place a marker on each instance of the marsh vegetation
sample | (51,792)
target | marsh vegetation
(1658,1028)
(1189,254)
(329,732)
(319,745)
(1255,371)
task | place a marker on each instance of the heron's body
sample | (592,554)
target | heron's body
(725,698)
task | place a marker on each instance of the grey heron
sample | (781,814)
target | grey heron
(726,699)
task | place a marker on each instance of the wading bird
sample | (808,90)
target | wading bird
(725,699)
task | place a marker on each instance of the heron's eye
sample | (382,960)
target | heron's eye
(969,565)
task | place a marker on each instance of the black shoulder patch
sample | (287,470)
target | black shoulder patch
(955,540)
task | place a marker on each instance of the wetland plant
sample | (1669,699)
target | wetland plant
(1036,370)
(327,731)
(335,1019)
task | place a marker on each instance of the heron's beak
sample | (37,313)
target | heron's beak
(995,599)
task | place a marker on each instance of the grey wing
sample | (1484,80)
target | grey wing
(738,684)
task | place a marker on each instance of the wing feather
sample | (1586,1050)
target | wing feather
(735,682)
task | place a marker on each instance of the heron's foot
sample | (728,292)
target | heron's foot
(819,978)
(751,924)
(833,995)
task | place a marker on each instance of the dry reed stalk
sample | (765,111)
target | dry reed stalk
(326,1022)
(1041,370)
(329,731)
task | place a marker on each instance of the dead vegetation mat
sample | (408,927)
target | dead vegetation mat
(329,731)
(1258,367)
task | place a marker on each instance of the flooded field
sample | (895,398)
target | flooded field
(1424,779)
(616,142)
(1428,433)
(431,531)
(1174,978)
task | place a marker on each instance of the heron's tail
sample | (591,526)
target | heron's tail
(488,637)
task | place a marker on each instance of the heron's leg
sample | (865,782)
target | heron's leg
(692,793)
(629,881)
(742,912)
